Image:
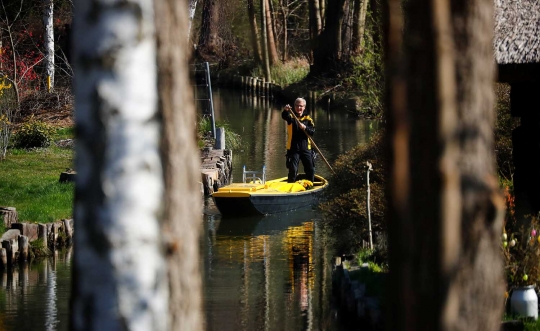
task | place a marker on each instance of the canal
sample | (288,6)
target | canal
(273,272)
(259,273)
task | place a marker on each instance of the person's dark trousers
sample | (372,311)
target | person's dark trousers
(293,160)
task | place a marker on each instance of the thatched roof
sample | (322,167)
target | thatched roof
(517,31)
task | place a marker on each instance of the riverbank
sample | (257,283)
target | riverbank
(24,241)
(330,94)
(359,292)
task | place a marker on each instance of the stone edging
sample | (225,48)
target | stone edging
(16,240)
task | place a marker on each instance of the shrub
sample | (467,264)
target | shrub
(520,246)
(345,209)
(33,133)
(521,252)
(233,140)
(503,132)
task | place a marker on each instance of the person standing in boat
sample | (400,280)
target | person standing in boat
(298,144)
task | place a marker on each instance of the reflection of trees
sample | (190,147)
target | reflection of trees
(37,294)
(272,277)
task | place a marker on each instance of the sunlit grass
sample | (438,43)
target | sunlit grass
(233,140)
(29,182)
(285,74)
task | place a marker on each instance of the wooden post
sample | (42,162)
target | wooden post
(3,257)
(8,247)
(42,234)
(68,230)
(220,138)
(23,248)
(8,215)
(369,168)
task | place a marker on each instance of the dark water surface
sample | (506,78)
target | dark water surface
(36,296)
(262,273)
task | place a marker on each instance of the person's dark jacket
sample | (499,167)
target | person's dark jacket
(296,138)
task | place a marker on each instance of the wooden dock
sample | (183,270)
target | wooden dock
(216,169)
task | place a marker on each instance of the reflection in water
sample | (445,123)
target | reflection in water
(261,273)
(51,321)
(36,296)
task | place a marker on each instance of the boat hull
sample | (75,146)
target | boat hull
(254,200)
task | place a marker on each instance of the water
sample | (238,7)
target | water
(36,296)
(273,272)
(262,273)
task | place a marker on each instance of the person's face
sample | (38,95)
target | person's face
(299,108)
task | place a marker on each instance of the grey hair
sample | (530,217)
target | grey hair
(302,100)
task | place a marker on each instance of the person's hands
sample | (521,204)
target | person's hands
(288,107)
(302,126)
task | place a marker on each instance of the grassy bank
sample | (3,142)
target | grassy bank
(29,181)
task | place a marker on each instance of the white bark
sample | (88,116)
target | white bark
(48,41)
(120,275)
(192,8)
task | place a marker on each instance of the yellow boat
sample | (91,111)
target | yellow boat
(256,196)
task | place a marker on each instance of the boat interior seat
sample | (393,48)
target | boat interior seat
(254,176)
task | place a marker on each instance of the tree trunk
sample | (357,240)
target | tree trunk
(182,220)
(326,55)
(315,22)
(480,273)
(322,13)
(445,210)
(272,50)
(284,17)
(119,268)
(266,55)
(346,29)
(209,38)
(359,25)
(48,43)
(192,9)
(255,37)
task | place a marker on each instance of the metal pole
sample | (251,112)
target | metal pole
(209,84)
(369,168)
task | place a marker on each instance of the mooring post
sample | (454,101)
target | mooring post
(369,168)
(23,248)
(3,257)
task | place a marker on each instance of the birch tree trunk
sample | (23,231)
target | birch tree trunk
(322,12)
(183,220)
(445,209)
(359,25)
(192,8)
(48,42)
(119,271)
(255,37)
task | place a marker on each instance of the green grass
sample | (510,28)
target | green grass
(528,323)
(233,140)
(285,74)
(29,182)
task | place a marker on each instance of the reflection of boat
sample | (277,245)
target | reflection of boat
(260,197)
(259,225)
